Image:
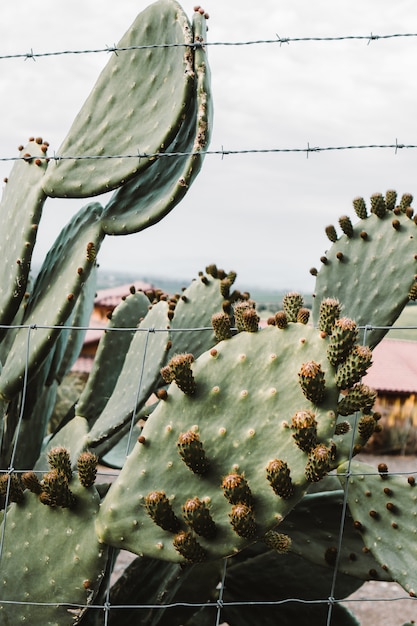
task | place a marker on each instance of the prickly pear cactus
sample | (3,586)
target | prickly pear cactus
(222,461)
(40,584)
(384,508)
(370,269)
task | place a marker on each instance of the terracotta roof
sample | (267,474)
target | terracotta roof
(394,367)
(111,297)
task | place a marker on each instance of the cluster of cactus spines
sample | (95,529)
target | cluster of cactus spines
(178,369)
(383,508)
(292,303)
(358,251)
(329,313)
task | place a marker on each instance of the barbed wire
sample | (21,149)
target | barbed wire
(220,152)
(277,40)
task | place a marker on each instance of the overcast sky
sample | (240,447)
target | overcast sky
(262,215)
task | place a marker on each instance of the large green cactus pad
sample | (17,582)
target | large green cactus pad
(246,393)
(20,211)
(147,198)
(50,556)
(384,510)
(136,106)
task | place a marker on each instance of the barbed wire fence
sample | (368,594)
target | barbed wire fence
(220,604)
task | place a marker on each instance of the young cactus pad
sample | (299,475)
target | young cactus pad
(137,105)
(381,251)
(236,424)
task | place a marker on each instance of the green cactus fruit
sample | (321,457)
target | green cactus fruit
(236,424)
(304,424)
(359,397)
(391,199)
(11,487)
(59,459)
(328,314)
(179,370)
(281,319)
(39,587)
(189,548)
(160,510)
(20,211)
(221,325)
(198,517)
(320,461)
(303,315)
(346,226)
(378,299)
(277,541)
(344,335)
(354,367)
(242,520)
(278,475)
(331,233)
(137,105)
(87,468)
(384,508)
(312,381)
(191,450)
(236,489)
(246,317)
(56,490)
(52,301)
(31,481)
(366,427)
(292,303)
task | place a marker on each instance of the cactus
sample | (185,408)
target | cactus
(379,296)
(50,589)
(236,419)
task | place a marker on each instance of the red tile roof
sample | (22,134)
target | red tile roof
(394,367)
(111,297)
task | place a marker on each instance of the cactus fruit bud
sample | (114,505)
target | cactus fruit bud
(329,313)
(179,369)
(32,482)
(355,366)
(312,382)
(236,489)
(15,489)
(390,199)
(331,233)
(189,548)
(242,519)
(303,315)
(198,516)
(319,462)
(366,427)
(412,294)
(278,474)
(87,468)
(56,491)
(305,425)
(59,459)
(342,428)
(359,397)
(221,325)
(378,205)
(342,340)
(406,201)
(360,208)
(292,303)
(160,510)
(277,541)
(346,226)
(281,319)
(246,318)
(192,453)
